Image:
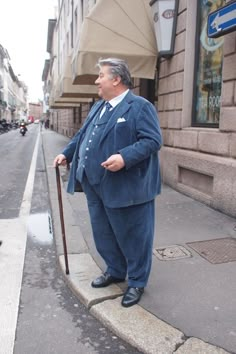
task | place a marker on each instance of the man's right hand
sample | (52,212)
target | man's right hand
(59,160)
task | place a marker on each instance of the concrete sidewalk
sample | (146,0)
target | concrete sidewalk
(189,305)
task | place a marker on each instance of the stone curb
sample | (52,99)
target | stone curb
(197,346)
(82,270)
(138,327)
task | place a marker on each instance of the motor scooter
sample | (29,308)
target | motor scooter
(23,130)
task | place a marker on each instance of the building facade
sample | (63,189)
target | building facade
(13,91)
(197,109)
(35,110)
(194,92)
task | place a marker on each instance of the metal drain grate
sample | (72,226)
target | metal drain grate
(171,253)
(216,251)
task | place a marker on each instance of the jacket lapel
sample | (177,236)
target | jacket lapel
(92,113)
(119,111)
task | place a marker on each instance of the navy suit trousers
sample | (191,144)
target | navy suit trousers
(123,236)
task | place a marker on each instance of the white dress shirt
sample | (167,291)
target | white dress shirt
(114,102)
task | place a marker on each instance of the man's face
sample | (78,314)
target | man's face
(105,84)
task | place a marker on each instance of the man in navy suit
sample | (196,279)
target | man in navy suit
(115,158)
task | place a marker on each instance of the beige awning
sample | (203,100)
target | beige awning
(116,28)
(72,100)
(67,89)
(64,105)
(65,102)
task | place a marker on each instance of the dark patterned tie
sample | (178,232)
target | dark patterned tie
(108,107)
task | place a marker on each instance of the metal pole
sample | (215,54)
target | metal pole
(62,218)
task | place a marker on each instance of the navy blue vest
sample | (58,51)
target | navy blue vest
(90,154)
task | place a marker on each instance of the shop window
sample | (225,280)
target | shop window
(71,36)
(75,22)
(80,114)
(147,89)
(82,10)
(208,70)
(77,115)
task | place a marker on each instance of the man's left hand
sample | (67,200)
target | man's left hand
(114,163)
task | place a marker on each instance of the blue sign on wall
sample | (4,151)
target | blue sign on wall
(222,21)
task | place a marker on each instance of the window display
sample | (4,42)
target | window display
(208,80)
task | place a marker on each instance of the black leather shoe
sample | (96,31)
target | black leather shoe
(105,280)
(132,296)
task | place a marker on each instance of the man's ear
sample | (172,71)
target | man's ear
(116,81)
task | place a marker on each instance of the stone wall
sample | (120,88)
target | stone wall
(199,162)
(68,121)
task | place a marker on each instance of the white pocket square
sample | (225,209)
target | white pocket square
(119,120)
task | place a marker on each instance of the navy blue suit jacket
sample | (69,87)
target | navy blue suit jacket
(133,131)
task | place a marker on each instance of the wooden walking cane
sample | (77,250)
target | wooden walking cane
(62,218)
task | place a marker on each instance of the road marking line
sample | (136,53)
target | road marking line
(26,201)
(12,255)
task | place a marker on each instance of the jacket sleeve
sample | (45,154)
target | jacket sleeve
(70,148)
(148,136)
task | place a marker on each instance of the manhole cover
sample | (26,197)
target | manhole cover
(173,252)
(217,251)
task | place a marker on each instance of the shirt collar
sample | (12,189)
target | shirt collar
(116,100)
